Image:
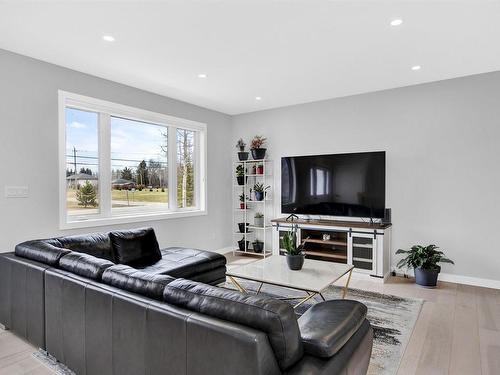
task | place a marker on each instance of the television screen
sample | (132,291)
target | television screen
(334,185)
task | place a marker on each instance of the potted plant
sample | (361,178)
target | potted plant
(258,152)
(242,154)
(259,190)
(424,260)
(243,198)
(258,219)
(240,174)
(241,227)
(260,169)
(258,246)
(294,254)
(242,244)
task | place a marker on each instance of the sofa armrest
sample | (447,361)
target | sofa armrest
(327,326)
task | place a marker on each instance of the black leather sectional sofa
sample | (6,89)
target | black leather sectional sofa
(114,303)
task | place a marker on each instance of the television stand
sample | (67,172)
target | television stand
(366,246)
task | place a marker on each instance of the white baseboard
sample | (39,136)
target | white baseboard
(224,250)
(468,280)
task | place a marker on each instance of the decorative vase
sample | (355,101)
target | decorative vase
(243,155)
(258,153)
(258,246)
(427,278)
(260,170)
(241,180)
(258,221)
(242,243)
(241,227)
(295,262)
(259,195)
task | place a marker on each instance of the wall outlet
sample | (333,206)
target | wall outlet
(16,192)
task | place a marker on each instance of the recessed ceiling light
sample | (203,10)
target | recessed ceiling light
(396,22)
(416,67)
(108,38)
(258,98)
(202,75)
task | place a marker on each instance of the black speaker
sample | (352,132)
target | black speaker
(387,216)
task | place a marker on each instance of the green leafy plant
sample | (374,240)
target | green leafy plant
(240,145)
(259,187)
(425,257)
(240,171)
(243,197)
(259,215)
(289,242)
(257,142)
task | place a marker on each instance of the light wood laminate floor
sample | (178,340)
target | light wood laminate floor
(457,332)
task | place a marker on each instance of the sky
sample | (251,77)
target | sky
(131,141)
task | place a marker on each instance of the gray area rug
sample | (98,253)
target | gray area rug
(392,318)
(52,363)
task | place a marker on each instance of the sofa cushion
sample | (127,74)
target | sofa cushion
(185,263)
(136,248)
(84,265)
(327,326)
(95,244)
(276,318)
(44,251)
(132,280)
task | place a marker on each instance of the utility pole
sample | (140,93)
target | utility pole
(74,164)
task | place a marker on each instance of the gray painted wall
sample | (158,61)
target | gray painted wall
(29,155)
(443,159)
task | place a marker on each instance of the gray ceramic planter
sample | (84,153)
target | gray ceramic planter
(427,278)
(295,262)
(258,221)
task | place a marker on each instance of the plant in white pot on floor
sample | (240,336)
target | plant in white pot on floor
(424,260)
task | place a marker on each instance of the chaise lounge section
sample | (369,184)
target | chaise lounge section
(69,297)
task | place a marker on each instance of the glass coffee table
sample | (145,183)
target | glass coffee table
(314,277)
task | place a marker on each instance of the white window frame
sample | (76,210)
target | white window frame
(105,110)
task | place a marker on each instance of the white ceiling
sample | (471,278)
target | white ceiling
(287,52)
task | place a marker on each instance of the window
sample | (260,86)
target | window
(122,164)
(319,180)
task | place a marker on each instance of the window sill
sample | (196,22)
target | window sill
(136,218)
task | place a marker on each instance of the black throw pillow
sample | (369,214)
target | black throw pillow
(135,248)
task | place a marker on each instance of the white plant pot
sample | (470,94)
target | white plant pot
(258,221)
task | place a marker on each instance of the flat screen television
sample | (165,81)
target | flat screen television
(351,185)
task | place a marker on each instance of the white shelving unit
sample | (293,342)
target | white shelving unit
(245,213)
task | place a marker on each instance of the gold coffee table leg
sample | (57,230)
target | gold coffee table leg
(260,287)
(237,285)
(344,293)
(305,299)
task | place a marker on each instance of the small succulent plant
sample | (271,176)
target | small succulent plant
(240,145)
